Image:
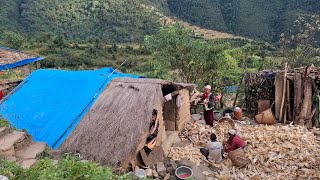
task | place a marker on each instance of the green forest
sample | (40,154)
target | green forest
(111,21)
(258,19)
(128,21)
(89,34)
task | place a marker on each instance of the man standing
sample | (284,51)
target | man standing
(235,141)
(214,149)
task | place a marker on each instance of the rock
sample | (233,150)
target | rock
(167,177)
(171,170)
(172,137)
(196,117)
(173,164)
(201,122)
(155,174)
(3,177)
(161,169)
(55,153)
(140,173)
(149,172)
(156,155)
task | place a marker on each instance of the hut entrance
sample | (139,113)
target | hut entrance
(169,109)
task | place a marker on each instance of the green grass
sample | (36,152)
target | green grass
(68,168)
(4,122)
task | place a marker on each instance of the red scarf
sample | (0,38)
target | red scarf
(206,95)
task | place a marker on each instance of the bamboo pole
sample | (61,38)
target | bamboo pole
(283,90)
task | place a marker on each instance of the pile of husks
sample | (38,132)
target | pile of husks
(275,152)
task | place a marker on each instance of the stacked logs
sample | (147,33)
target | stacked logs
(294,92)
(258,86)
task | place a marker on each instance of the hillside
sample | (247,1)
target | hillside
(259,19)
(112,20)
(130,20)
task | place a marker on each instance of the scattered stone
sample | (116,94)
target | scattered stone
(171,170)
(55,153)
(201,122)
(149,172)
(140,173)
(167,177)
(196,117)
(3,177)
(173,164)
(156,155)
(161,169)
(155,174)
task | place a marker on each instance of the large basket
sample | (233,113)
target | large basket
(230,121)
(265,117)
(238,157)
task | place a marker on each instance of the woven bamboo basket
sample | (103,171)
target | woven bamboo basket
(238,157)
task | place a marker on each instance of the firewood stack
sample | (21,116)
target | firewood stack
(294,92)
(258,86)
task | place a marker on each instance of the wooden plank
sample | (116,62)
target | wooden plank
(289,115)
(278,83)
(307,101)
(297,96)
(283,90)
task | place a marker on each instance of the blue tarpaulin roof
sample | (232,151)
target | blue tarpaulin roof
(20,62)
(50,103)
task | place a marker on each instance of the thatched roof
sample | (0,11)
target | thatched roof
(156,81)
(8,56)
(112,129)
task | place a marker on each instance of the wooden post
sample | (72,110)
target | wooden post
(278,83)
(307,101)
(288,102)
(297,96)
(283,91)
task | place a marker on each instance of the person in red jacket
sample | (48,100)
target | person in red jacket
(235,141)
(1,95)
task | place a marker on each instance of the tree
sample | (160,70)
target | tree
(188,59)
(299,45)
(14,40)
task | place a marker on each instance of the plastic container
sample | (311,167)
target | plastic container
(183,172)
(238,113)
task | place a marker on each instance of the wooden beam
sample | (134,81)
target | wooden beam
(297,96)
(283,91)
(307,101)
(278,83)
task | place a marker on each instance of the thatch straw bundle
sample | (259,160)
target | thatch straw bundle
(117,124)
(112,130)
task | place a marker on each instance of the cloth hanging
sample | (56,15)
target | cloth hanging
(179,101)
(168,97)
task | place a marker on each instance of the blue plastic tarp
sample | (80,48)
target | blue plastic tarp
(20,63)
(231,89)
(50,103)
